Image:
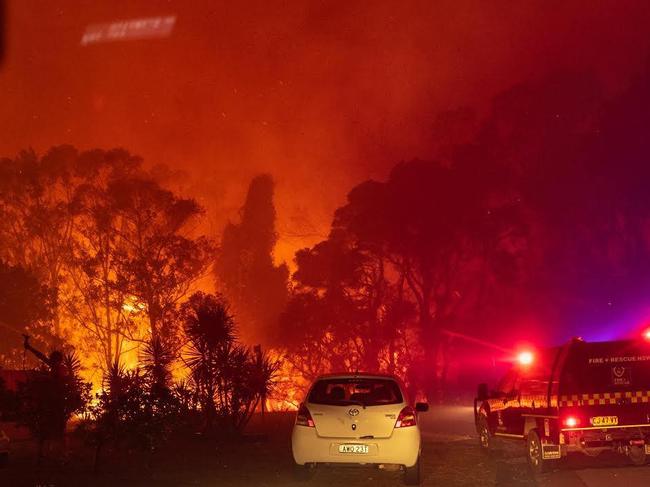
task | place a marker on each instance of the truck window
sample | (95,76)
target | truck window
(535,377)
(509,383)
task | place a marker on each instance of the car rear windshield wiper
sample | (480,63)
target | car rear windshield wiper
(357,403)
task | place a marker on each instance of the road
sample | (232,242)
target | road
(453,428)
(451,458)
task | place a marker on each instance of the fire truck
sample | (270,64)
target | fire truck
(582,397)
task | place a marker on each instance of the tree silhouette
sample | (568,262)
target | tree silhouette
(430,222)
(26,305)
(159,260)
(228,380)
(118,249)
(35,214)
(97,297)
(244,268)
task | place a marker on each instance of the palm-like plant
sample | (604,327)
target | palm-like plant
(229,380)
(210,330)
(208,321)
(156,359)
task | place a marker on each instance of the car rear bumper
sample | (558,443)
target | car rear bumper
(402,448)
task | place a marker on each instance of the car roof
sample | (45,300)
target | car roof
(357,375)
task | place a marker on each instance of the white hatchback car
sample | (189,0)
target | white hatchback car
(361,419)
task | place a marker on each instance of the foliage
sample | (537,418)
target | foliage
(157,358)
(228,380)
(26,305)
(48,399)
(159,261)
(139,408)
(244,268)
(113,246)
(123,413)
(36,195)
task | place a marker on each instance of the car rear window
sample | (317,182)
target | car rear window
(606,367)
(363,391)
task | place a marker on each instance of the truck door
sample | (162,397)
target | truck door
(513,419)
(506,407)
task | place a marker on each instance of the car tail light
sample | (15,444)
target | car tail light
(303,418)
(406,418)
(571,422)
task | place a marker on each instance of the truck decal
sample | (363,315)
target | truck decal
(604,398)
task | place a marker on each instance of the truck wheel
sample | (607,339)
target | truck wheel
(534,454)
(637,455)
(485,439)
(412,474)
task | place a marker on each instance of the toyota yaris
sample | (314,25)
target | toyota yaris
(363,419)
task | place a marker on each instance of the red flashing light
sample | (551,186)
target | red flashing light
(646,334)
(303,418)
(406,418)
(571,422)
(525,358)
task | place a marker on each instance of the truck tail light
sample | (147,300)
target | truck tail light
(571,422)
(406,418)
(303,418)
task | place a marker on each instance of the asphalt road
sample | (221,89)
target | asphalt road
(453,426)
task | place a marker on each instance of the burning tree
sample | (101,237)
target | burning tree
(36,195)
(159,260)
(118,249)
(96,297)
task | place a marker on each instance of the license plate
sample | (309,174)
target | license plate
(363,449)
(604,421)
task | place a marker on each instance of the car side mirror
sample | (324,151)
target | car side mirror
(482,392)
(421,407)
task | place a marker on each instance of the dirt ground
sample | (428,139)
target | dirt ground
(263,458)
(451,458)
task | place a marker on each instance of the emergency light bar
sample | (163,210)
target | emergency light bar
(525,358)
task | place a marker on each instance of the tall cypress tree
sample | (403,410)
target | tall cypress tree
(245,271)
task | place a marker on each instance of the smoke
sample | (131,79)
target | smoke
(320,94)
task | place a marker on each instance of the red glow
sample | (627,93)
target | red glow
(646,334)
(571,422)
(525,358)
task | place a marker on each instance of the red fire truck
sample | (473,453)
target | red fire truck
(578,398)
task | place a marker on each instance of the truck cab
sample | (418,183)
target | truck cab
(578,398)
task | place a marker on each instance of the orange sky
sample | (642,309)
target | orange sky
(320,94)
